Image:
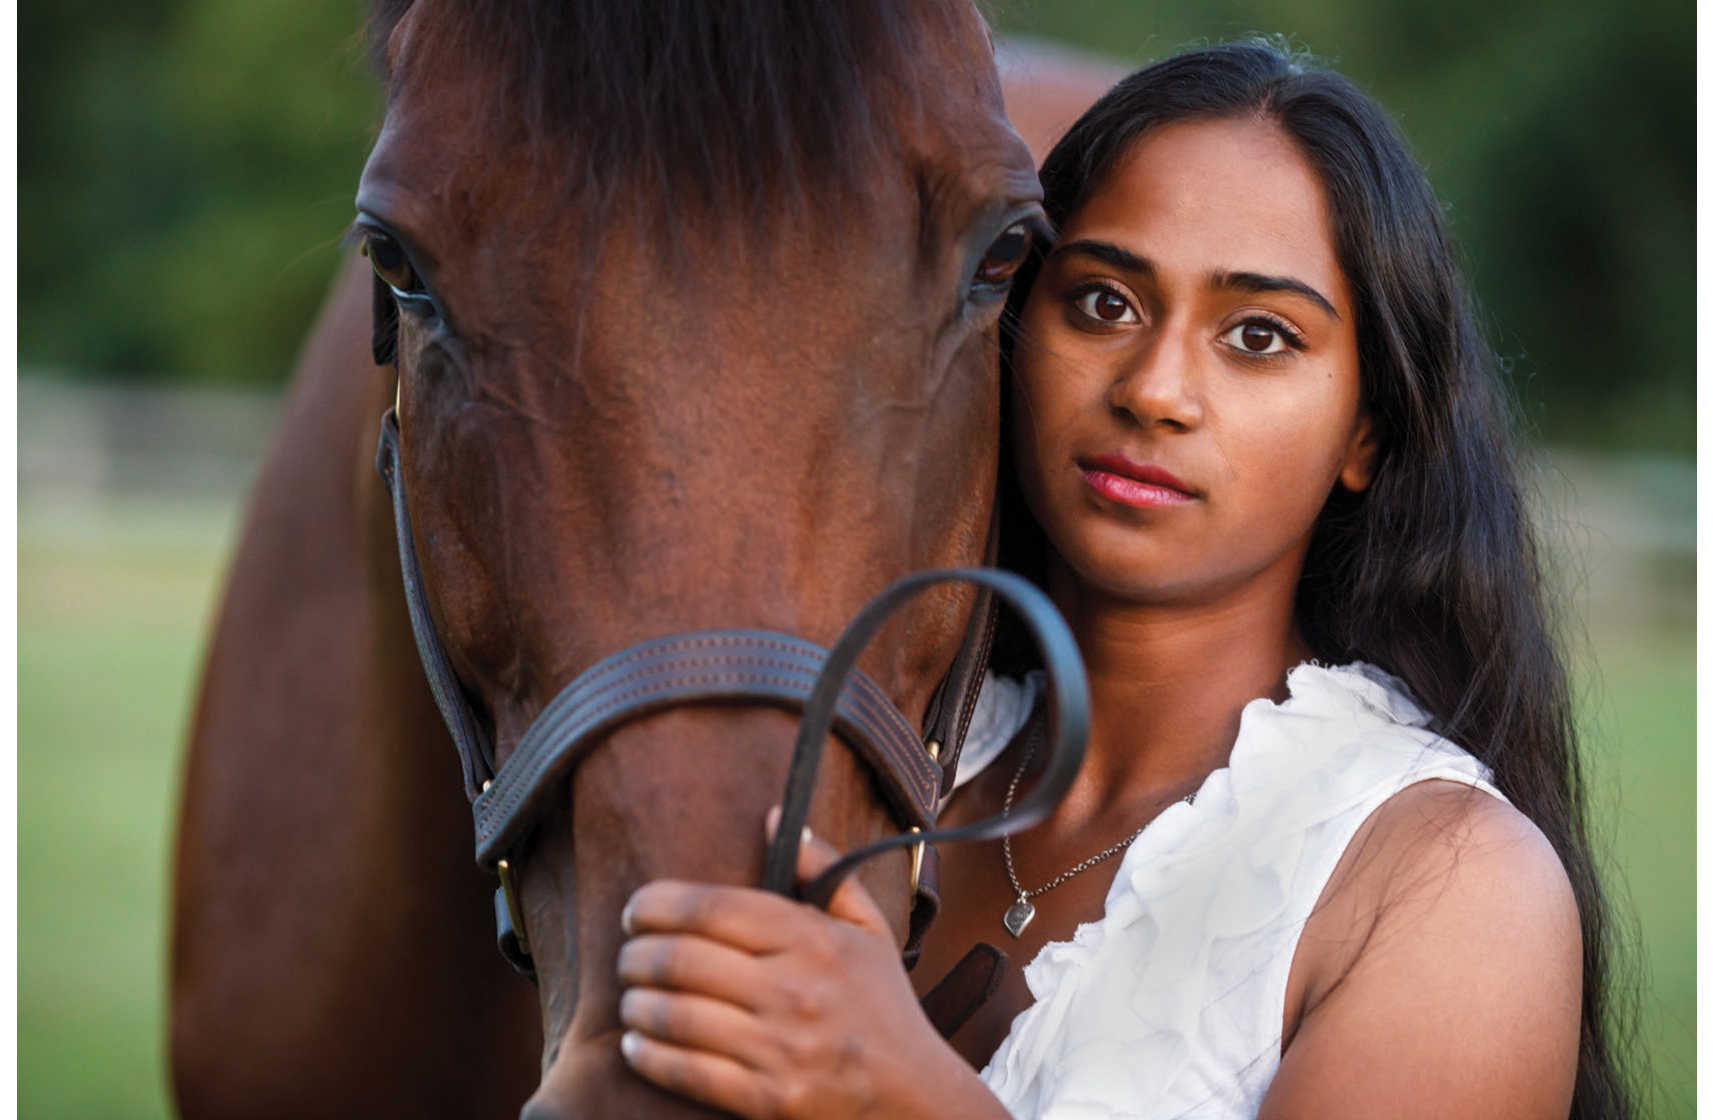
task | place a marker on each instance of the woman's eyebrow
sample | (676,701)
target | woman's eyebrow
(1252,282)
(1107,253)
(1256,282)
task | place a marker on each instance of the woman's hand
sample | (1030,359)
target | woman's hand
(764,1007)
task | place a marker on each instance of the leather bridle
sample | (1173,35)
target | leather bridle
(767,668)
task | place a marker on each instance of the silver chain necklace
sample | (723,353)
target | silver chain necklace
(1020,913)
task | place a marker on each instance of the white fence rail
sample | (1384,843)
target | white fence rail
(80,442)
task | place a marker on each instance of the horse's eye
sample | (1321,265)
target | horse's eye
(1004,257)
(387,257)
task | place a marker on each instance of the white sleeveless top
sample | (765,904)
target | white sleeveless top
(1170,1005)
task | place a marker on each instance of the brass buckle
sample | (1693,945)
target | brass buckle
(933,749)
(509,886)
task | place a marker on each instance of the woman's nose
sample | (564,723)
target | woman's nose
(1160,382)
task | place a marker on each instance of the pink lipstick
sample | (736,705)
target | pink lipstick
(1140,485)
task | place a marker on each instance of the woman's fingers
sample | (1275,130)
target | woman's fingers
(697,1022)
(719,1055)
(746,1002)
(750,920)
(753,921)
(851,901)
(684,963)
(708,1078)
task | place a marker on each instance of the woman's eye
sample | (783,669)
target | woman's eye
(1258,338)
(1003,258)
(387,257)
(1106,306)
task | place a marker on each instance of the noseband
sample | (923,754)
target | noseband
(755,667)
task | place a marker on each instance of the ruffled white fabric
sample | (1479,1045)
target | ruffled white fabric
(1171,1004)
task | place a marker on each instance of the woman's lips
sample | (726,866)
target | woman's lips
(1134,484)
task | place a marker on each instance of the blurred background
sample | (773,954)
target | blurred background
(185,171)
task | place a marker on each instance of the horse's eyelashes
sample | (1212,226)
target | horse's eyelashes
(384,325)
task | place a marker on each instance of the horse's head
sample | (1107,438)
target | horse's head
(696,310)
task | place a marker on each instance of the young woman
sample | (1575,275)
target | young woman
(1326,854)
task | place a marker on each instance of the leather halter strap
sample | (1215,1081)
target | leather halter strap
(755,667)
(713,666)
(474,749)
(747,666)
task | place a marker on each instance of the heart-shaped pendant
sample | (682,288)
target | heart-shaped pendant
(1018,915)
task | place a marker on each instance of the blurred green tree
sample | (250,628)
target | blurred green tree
(186,167)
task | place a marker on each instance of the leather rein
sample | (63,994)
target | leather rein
(758,667)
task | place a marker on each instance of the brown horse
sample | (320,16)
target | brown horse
(695,321)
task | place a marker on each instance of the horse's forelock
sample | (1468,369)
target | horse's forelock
(726,107)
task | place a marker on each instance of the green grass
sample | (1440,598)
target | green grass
(112,605)
(110,617)
(1641,725)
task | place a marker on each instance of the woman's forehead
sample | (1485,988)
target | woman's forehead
(1208,196)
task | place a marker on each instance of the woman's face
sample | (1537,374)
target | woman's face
(1186,379)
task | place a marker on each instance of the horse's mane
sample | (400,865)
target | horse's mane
(716,106)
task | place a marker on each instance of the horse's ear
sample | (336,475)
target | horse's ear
(383,325)
(384,15)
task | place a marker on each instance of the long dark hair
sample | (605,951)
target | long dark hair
(1432,573)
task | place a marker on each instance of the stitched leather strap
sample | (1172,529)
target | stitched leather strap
(955,703)
(716,666)
(739,666)
(756,667)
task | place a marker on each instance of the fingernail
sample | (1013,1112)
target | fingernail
(771,824)
(630,1045)
(808,836)
(626,924)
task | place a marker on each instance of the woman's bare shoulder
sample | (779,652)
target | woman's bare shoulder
(1447,829)
(1442,971)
